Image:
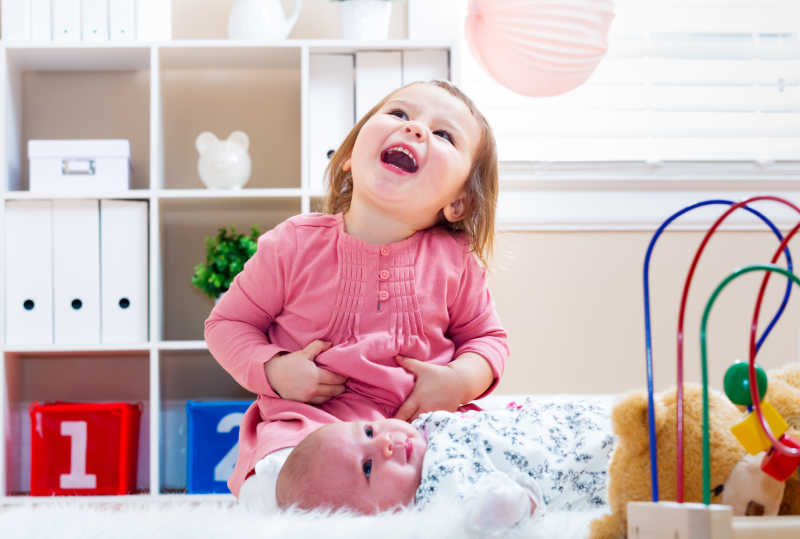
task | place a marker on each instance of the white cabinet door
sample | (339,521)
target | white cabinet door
(331,111)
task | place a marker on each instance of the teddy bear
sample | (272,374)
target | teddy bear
(783,392)
(736,477)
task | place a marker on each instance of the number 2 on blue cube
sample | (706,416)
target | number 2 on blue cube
(212,444)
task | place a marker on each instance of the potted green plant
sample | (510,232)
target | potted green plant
(226,254)
(364,20)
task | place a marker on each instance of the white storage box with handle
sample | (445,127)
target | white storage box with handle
(79,166)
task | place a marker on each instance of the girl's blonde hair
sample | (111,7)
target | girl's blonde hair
(481,187)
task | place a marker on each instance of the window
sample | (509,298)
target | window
(690,91)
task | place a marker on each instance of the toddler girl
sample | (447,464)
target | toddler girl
(501,466)
(377,308)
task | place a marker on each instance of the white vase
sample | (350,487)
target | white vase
(364,20)
(261,20)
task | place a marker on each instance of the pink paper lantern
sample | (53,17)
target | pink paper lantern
(539,48)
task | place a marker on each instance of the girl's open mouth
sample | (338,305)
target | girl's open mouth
(400,157)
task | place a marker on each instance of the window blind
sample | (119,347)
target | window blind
(683,80)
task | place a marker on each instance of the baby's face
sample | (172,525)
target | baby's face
(375,465)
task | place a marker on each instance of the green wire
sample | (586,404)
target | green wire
(703,358)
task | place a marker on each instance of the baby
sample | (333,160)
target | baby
(502,466)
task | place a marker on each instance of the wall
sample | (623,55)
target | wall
(572,304)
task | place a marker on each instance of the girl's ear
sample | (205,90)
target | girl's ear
(455,210)
(346,165)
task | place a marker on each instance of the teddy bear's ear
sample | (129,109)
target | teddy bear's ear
(204,141)
(240,138)
(630,419)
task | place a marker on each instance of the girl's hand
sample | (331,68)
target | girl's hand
(296,377)
(436,387)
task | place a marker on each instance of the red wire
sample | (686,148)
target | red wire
(687,284)
(754,396)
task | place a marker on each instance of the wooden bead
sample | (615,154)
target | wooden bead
(778,465)
(752,436)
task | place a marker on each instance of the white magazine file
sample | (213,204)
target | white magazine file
(123,273)
(66,20)
(29,272)
(331,111)
(122,19)
(76,272)
(41,27)
(94,20)
(16,17)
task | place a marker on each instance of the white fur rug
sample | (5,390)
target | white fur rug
(223,520)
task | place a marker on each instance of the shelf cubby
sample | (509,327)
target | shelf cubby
(222,89)
(187,375)
(185,225)
(82,376)
(77,93)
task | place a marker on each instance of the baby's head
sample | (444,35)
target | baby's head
(452,179)
(363,466)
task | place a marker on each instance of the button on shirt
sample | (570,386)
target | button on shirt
(424,297)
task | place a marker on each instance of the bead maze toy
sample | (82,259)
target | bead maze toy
(763,429)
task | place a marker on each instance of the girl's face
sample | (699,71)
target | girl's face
(372,466)
(412,157)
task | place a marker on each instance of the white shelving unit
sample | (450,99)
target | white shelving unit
(159,95)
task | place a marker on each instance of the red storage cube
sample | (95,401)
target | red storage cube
(84,448)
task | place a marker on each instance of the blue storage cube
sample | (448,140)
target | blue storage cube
(212,443)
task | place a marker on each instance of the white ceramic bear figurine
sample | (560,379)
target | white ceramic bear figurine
(223,164)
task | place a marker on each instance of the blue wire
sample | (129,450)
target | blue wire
(648,342)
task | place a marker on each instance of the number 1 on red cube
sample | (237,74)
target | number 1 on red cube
(84,448)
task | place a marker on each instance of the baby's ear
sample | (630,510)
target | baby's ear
(630,419)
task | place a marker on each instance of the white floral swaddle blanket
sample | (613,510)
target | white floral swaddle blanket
(557,450)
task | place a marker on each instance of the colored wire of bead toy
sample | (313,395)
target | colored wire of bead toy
(753,386)
(681,316)
(777,445)
(647,326)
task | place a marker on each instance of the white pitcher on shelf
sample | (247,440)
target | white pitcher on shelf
(261,20)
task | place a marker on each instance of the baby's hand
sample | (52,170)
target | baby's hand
(437,387)
(498,503)
(296,377)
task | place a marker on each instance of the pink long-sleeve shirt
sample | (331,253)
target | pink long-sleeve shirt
(424,297)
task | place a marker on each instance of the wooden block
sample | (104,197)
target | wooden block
(751,435)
